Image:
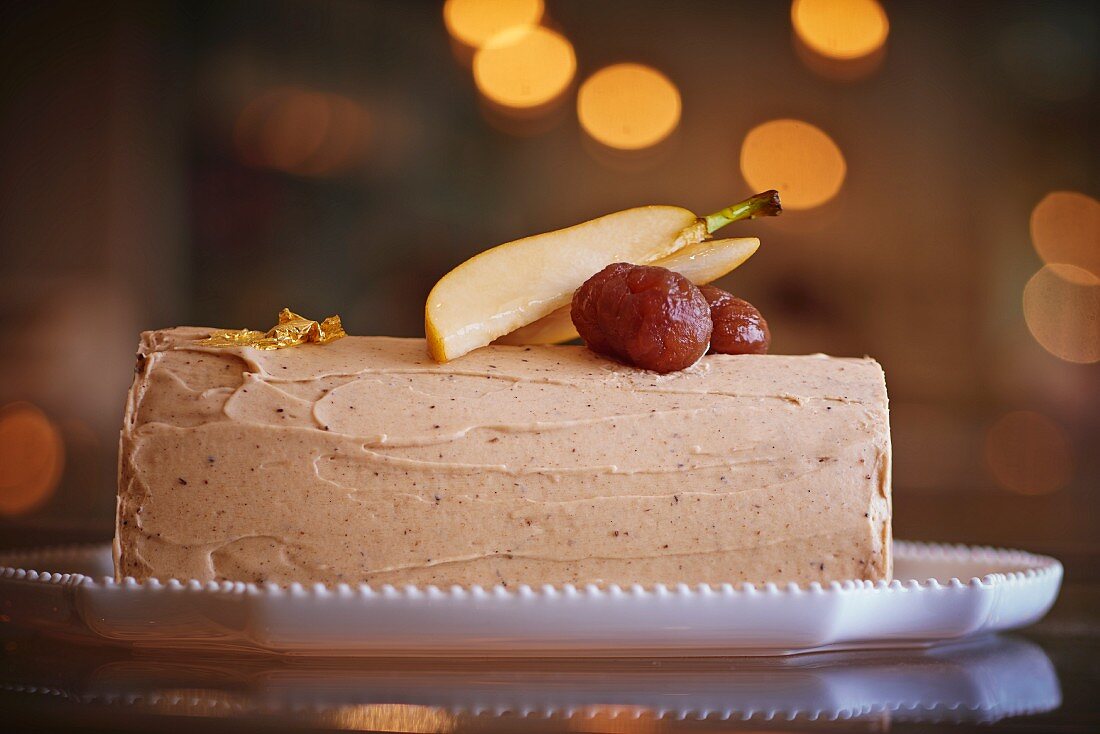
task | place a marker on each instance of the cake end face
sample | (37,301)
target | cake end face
(363,461)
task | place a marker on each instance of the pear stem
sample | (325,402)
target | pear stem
(764,204)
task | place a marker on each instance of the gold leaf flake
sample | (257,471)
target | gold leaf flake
(291,331)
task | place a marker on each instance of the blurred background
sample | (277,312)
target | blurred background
(211,162)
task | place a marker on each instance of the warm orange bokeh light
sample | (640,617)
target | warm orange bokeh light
(798,159)
(392,717)
(473,22)
(840,29)
(1062,311)
(1065,228)
(525,67)
(628,106)
(32,456)
(302,132)
(1028,453)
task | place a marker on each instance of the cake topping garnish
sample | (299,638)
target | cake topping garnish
(646,316)
(738,326)
(764,204)
(291,331)
(520,291)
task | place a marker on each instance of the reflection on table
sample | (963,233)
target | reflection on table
(977,681)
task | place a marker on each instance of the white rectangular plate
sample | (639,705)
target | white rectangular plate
(940,592)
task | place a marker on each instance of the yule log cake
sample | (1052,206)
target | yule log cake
(364,461)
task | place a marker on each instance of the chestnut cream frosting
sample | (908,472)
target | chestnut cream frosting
(364,461)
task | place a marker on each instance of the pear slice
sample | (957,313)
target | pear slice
(519,282)
(701,263)
(513,284)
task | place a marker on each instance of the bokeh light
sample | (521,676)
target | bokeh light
(921,430)
(1028,453)
(840,29)
(302,132)
(524,67)
(473,22)
(615,718)
(798,159)
(1065,228)
(628,106)
(391,717)
(838,70)
(1062,310)
(32,456)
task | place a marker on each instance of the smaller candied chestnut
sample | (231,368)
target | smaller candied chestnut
(738,326)
(646,316)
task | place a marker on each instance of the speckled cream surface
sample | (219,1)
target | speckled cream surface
(364,461)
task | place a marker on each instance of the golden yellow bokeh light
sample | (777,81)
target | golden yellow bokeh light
(840,29)
(1062,310)
(1065,228)
(473,22)
(32,456)
(1028,453)
(797,159)
(628,106)
(525,67)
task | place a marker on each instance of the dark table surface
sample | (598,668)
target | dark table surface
(1044,678)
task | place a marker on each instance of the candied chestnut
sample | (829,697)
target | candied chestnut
(738,326)
(646,316)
